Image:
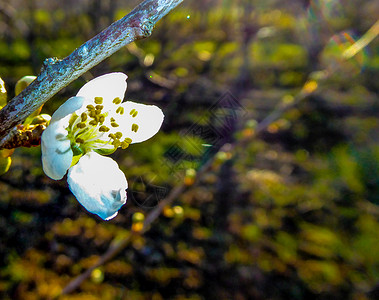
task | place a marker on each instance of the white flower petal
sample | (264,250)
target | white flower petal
(108,86)
(56,150)
(67,108)
(149,119)
(55,146)
(98,184)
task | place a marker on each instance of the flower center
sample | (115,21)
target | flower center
(96,129)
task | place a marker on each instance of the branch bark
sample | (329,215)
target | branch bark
(56,73)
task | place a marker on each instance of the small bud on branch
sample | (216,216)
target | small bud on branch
(24,137)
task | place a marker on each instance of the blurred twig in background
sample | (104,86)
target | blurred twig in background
(368,37)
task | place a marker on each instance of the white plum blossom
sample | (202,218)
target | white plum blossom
(94,123)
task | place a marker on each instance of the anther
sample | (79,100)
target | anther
(99,107)
(135,114)
(83,117)
(116,100)
(132,111)
(93,122)
(114,124)
(116,143)
(118,135)
(99,100)
(112,136)
(120,110)
(128,140)
(92,113)
(90,107)
(79,140)
(135,127)
(81,125)
(113,120)
(97,112)
(124,145)
(104,128)
(99,118)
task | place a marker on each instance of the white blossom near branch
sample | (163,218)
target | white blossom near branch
(94,123)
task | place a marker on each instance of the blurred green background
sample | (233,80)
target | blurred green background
(289,213)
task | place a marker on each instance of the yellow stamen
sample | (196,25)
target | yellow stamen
(135,127)
(99,107)
(132,111)
(93,122)
(124,145)
(128,140)
(120,110)
(112,136)
(116,143)
(98,118)
(135,114)
(83,117)
(104,128)
(99,100)
(116,100)
(118,135)
(113,124)
(81,125)
(90,107)
(79,140)
(101,119)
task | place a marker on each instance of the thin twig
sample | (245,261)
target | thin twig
(366,39)
(56,73)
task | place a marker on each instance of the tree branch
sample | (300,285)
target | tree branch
(56,73)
